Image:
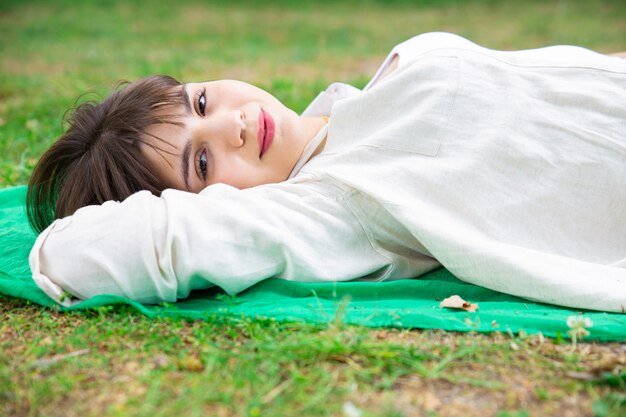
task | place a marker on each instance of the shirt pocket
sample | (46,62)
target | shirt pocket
(410,111)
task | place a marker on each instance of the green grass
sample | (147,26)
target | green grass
(131,365)
(55,51)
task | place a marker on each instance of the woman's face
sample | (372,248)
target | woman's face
(231,132)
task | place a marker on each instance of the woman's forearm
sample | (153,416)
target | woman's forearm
(153,249)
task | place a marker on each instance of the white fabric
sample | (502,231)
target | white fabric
(308,151)
(321,106)
(509,168)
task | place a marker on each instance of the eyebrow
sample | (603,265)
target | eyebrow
(185,162)
(185,99)
(187,149)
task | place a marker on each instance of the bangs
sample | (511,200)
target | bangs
(100,157)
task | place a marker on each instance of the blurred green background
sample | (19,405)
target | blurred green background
(55,52)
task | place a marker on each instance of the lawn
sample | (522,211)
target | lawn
(115,362)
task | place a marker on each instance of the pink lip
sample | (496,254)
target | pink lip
(266,132)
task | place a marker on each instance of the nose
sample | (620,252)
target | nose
(232,128)
(238,138)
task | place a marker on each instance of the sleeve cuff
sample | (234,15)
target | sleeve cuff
(51,289)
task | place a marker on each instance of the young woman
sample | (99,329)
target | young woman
(507,168)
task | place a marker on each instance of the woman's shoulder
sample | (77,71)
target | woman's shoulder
(451,44)
(399,57)
(406,52)
(430,41)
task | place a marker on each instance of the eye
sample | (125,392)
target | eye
(202,102)
(203,164)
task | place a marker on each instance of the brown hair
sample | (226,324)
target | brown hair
(99,157)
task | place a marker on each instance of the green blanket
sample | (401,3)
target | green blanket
(412,303)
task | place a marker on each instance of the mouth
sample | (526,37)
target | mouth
(261,134)
(266,132)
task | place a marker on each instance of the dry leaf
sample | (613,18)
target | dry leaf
(582,376)
(457,302)
(41,363)
(191,364)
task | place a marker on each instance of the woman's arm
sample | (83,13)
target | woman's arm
(153,249)
(618,54)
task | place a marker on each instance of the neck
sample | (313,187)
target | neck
(312,126)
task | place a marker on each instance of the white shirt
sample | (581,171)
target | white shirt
(508,168)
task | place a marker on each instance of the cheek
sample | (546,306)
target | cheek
(236,173)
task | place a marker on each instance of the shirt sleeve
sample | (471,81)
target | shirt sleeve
(153,249)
